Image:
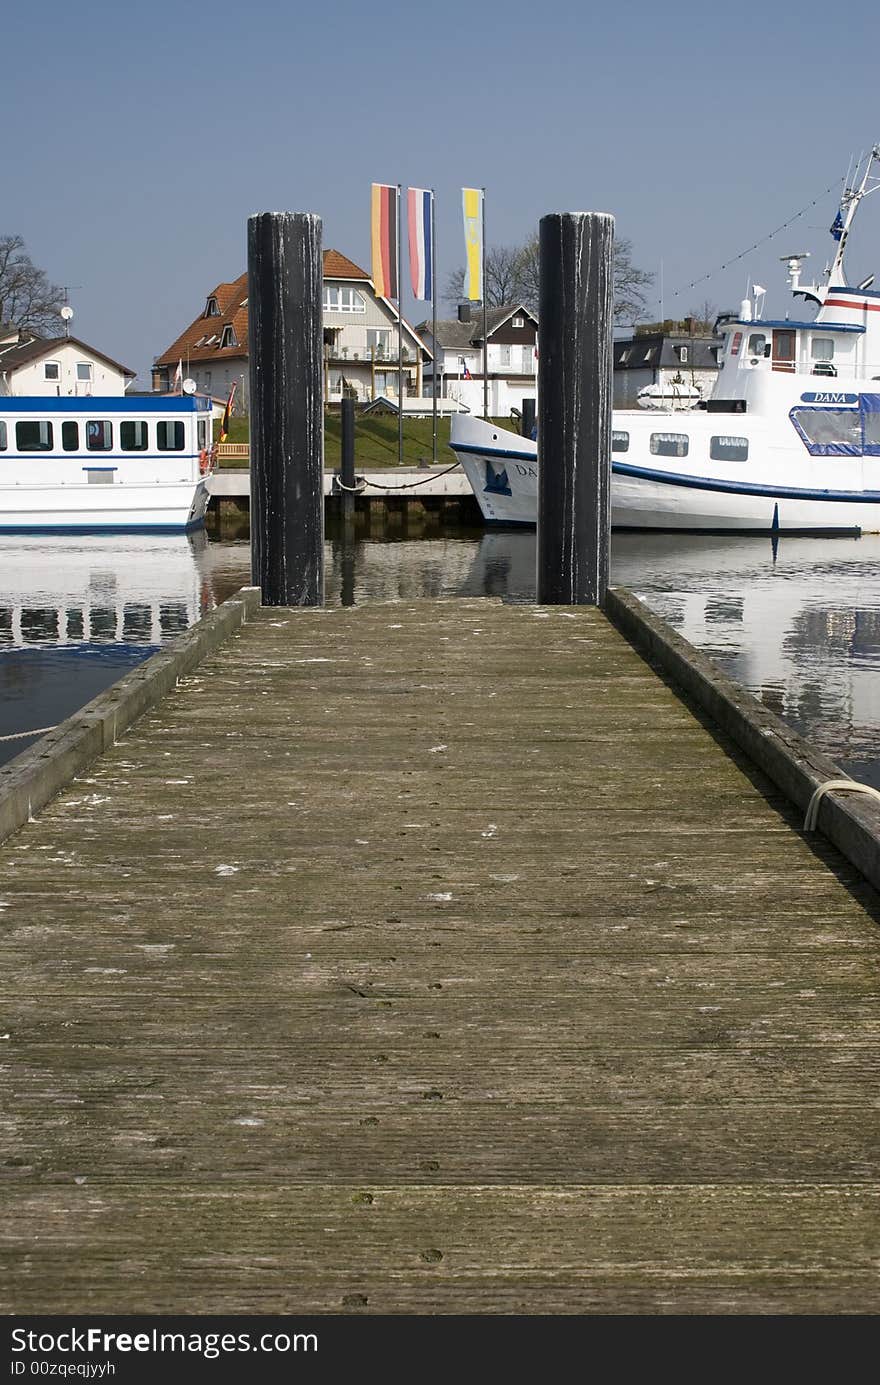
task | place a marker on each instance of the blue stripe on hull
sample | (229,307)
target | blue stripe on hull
(707,483)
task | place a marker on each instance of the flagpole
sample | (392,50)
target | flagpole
(434,326)
(399,338)
(485,342)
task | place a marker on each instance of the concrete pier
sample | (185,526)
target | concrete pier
(434,957)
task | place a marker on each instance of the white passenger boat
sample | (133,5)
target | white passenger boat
(788,442)
(104,464)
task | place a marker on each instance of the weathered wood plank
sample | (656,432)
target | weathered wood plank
(434,958)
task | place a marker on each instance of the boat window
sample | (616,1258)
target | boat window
(2,436)
(871,425)
(669,444)
(203,433)
(99,435)
(70,435)
(757,343)
(724,448)
(51,370)
(830,432)
(619,441)
(169,435)
(33,435)
(133,435)
(822,349)
(736,343)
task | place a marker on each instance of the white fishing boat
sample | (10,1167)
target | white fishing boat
(98,464)
(789,440)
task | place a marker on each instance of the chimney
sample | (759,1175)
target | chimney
(464,312)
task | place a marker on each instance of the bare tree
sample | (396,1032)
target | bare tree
(514,275)
(630,283)
(501,278)
(704,316)
(27,299)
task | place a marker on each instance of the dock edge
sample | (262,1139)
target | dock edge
(852,823)
(29,781)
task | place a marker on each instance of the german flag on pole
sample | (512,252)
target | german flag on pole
(383,226)
(227,414)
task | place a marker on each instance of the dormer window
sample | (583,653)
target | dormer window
(683,354)
(229,338)
(211,308)
(518,322)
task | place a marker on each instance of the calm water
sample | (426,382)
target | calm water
(800,629)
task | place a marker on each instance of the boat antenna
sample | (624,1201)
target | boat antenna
(862,184)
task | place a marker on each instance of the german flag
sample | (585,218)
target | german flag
(227,414)
(383,227)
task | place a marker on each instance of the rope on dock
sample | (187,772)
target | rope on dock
(846,785)
(22,735)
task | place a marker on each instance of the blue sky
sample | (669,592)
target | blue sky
(135,149)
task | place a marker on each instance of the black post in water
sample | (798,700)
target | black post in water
(346,458)
(574,407)
(285,289)
(528,417)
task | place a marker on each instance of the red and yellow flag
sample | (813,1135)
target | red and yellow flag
(227,414)
(383,226)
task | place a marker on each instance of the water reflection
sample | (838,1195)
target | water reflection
(800,628)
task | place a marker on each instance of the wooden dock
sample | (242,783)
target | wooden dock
(434,958)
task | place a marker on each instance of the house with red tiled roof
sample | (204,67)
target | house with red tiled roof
(360,342)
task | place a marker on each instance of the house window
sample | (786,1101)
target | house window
(52,370)
(518,322)
(211,308)
(83,371)
(169,435)
(133,435)
(669,444)
(229,338)
(728,449)
(378,340)
(99,435)
(207,382)
(33,435)
(2,436)
(504,357)
(70,436)
(340,298)
(619,441)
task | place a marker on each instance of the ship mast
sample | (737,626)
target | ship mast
(849,202)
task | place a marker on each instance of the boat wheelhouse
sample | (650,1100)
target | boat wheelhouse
(104,464)
(788,441)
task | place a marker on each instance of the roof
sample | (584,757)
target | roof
(201,340)
(453,335)
(13,357)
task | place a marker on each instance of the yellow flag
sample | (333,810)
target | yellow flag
(472,205)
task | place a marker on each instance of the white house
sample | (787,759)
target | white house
(31,365)
(511,364)
(361,356)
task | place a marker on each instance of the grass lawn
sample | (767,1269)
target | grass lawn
(375,440)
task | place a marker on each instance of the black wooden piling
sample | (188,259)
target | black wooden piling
(346,456)
(528,417)
(285,284)
(574,407)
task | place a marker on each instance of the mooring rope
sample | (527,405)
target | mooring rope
(22,735)
(362,483)
(843,785)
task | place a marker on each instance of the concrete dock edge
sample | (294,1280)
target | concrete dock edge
(851,822)
(29,781)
